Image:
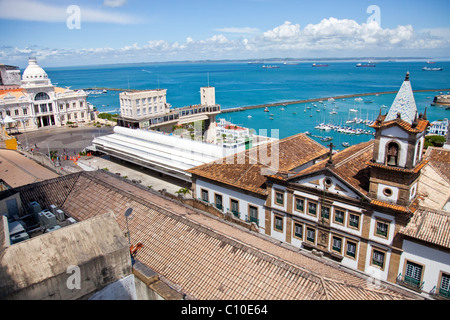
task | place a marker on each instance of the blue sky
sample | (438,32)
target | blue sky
(114,31)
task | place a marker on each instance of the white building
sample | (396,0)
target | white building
(362,207)
(439,127)
(139,105)
(37,103)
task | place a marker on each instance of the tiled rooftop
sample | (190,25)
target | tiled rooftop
(350,164)
(428,225)
(244,170)
(206,257)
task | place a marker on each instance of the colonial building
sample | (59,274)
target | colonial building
(38,103)
(359,207)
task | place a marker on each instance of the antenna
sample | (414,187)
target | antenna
(127,214)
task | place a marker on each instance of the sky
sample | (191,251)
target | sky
(89,32)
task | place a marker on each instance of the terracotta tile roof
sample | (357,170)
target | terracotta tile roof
(207,258)
(421,124)
(439,158)
(429,225)
(393,206)
(16,93)
(349,164)
(245,169)
(415,170)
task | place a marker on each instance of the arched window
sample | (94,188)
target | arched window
(392,154)
(41,96)
(419,152)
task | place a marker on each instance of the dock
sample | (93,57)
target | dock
(317,100)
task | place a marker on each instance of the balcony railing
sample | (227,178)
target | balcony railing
(410,282)
(219,206)
(235,213)
(440,293)
(252,219)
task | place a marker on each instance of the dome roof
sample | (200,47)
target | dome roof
(34,71)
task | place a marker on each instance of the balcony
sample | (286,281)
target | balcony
(440,293)
(252,219)
(219,206)
(410,282)
(235,213)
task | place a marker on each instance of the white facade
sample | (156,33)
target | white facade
(434,263)
(244,201)
(143,104)
(208,96)
(439,128)
(40,104)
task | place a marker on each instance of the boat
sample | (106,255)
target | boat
(325,139)
(266,109)
(270,67)
(105,91)
(307,133)
(365,65)
(282,109)
(432,69)
(249,116)
(319,65)
(369,101)
(358,99)
(292,63)
(271,118)
(333,112)
(431,62)
(345,144)
(271,114)
(294,112)
(353,110)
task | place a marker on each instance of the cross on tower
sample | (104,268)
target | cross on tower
(330,160)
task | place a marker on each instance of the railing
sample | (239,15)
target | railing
(252,219)
(410,282)
(440,293)
(219,206)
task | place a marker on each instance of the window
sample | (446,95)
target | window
(325,212)
(353,221)
(351,249)
(312,208)
(299,204)
(253,211)
(279,223)
(25,111)
(8,113)
(279,197)
(43,107)
(298,231)
(339,216)
(205,195)
(392,154)
(41,96)
(310,235)
(382,229)
(234,206)
(36,109)
(16,112)
(61,107)
(413,273)
(337,244)
(50,107)
(378,258)
(444,286)
(218,200)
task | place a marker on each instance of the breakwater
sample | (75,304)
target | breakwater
(318,99)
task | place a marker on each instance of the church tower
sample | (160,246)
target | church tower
(398,150)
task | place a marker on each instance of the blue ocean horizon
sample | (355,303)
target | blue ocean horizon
(241,84)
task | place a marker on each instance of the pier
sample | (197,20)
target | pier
(318,99)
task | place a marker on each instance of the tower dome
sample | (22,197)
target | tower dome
(34,75)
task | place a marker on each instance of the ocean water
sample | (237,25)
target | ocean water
(242,84)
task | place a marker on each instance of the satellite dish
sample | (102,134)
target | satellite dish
(128,212)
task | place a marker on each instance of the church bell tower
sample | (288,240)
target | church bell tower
(398,150)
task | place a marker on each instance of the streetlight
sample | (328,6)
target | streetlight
(127,214)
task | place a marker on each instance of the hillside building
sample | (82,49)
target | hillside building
(38,104)
(359,207)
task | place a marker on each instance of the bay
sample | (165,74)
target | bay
(239,84)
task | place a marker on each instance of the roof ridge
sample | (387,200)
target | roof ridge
(354,155)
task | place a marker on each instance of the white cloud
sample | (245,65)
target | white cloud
(29,10)
(114,3)
(237,30)
(330,37)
